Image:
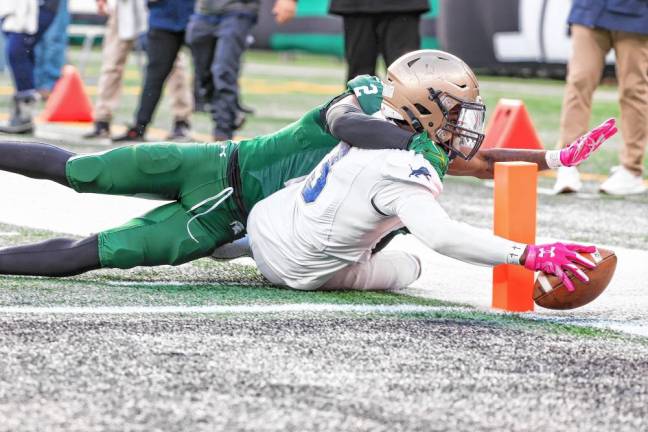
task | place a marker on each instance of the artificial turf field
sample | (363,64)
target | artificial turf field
(209,346)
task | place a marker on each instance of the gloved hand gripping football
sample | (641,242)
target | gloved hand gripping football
(557,259)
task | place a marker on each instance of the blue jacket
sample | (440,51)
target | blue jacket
(170,15)
(621,15)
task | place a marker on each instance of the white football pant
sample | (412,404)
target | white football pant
(386,270)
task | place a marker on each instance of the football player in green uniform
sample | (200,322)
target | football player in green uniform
(213,186)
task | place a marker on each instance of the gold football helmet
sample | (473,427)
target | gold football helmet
(437,93)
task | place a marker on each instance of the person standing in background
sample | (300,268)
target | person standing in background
(126,22)
(51,52)
(2,52)
(24,23)
(373,27)
(597,26)
(218,34)
(168,21)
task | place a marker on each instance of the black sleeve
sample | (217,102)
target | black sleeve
(349,124)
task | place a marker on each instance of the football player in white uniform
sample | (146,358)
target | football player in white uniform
(320,232)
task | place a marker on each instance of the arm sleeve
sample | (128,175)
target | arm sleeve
(425,218)
(348,123)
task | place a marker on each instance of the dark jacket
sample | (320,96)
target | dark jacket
(620,15)
(348,7)
(170,15)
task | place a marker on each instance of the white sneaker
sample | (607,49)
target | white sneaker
(567,180)
(623,182)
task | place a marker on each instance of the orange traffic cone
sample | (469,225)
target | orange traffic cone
(68,101)
(511,127)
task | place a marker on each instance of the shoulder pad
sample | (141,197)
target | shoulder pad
(407,166)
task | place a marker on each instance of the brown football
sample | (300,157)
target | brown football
(549,291)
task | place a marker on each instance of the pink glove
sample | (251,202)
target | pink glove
(579,150)
(556,258)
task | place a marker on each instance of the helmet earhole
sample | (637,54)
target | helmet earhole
(431,124)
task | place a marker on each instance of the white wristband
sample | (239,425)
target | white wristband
(553,159)
(515,253)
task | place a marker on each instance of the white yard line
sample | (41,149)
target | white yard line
(231,309)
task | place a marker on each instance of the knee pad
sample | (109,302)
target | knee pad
(116,253)
(158,159)
(89,174)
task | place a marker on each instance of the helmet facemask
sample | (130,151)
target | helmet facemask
(462,131)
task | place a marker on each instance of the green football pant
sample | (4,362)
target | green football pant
(191,175)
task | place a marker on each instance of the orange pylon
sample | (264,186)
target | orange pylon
(68,101)
(510,126)
(515,219)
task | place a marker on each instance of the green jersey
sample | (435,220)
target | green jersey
(267,162)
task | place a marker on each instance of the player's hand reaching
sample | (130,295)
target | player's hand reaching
(557,259)
(583,147)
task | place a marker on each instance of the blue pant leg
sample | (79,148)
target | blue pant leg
(20,52)
(231,42)
(51,50)
(2,52)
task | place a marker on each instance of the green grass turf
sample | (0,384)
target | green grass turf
(206,282)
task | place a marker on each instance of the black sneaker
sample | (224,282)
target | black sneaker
(133,134)
(101,131)
(181,132)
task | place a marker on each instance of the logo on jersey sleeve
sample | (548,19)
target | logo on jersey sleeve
(410,167)
(421,171)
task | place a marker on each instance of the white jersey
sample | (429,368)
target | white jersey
(309,230)
(303,235)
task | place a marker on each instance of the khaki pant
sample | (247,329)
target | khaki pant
(585,70)
(115,53)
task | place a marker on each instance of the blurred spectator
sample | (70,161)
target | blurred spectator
(597,26)
(2,52)
(373,27)
(51,52)
(24,24)
(167,24)
(218,34)
(284,10)
(126,21)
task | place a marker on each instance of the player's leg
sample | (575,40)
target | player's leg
(35,160)
(386,270)
(57,257)
(157,170)
(166,235)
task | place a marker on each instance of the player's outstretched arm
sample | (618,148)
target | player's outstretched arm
(427,220)
(483,164)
